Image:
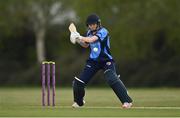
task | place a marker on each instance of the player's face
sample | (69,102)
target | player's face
(93,27)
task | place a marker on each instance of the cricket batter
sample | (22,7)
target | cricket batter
(100,58)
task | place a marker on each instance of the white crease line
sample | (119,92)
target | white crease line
(107,107)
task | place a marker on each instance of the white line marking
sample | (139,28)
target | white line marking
(108,107)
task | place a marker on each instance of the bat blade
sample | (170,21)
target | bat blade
(72,28)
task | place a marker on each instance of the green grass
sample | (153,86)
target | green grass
(100,102)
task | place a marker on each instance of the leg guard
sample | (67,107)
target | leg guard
(118,87)
(78,91)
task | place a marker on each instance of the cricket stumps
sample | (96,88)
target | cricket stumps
(48,77)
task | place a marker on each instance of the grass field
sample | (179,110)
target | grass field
(100,102)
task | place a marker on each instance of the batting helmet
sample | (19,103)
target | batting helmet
(93,19)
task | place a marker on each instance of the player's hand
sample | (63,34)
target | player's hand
(75,37)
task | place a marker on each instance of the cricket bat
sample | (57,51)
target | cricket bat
(72,28)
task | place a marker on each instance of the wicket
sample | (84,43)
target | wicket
(48,72)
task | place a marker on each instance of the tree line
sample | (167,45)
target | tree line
(145,40)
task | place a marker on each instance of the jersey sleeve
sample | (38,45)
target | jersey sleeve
(87,33)
(102,33)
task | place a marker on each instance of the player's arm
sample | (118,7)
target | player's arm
(82,43)
(89,39)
